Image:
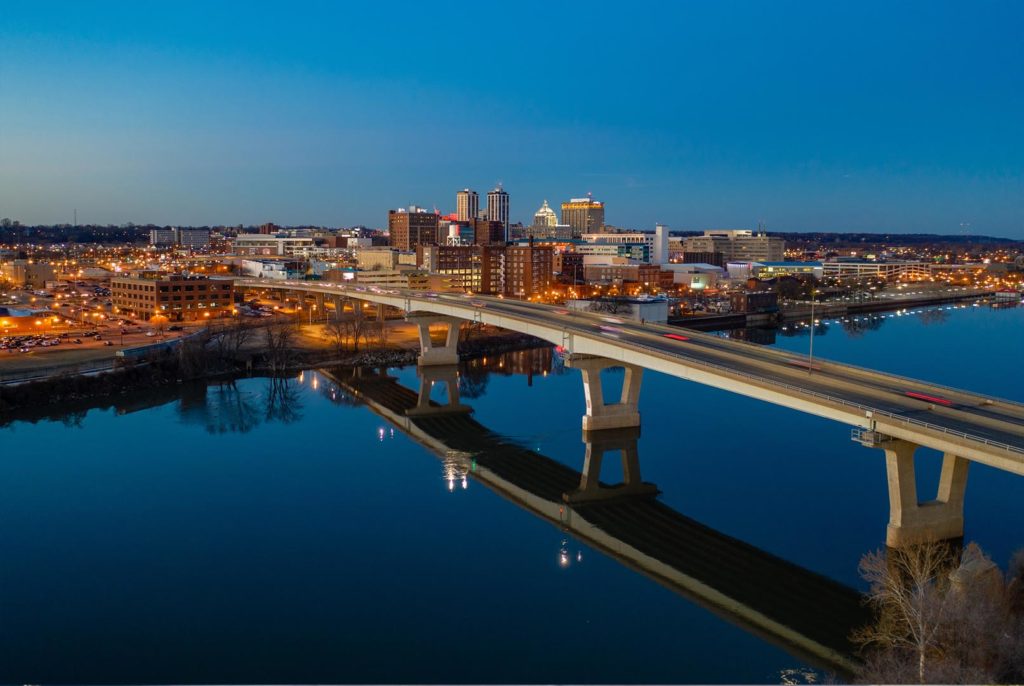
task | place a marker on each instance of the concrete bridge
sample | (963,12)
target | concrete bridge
(892,413)
(805,613)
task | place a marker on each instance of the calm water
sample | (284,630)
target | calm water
(269,532)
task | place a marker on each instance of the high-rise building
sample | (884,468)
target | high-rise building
(584,215)
(517,271)
(528,270)
(467,205)
(497,206)
(408,228)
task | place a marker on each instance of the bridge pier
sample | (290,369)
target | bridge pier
(601,415)
(598,444)
(912,521)
(431,354)
(434,374)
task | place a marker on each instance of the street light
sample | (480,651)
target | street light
(810,352)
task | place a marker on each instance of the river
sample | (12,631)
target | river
(280,531)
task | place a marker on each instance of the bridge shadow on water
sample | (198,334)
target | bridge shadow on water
(805,613)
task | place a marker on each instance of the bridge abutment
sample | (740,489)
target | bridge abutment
(912,521)
(601,415)
(431,354)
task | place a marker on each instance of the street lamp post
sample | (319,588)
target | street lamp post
(810,352)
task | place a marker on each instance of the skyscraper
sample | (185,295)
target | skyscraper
(584,215)
(497,207)
(467,205)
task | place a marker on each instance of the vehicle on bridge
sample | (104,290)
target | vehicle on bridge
(928,398)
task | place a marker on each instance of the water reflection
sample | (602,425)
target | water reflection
(854,325)
(224,407)
(529,363)
(806,614)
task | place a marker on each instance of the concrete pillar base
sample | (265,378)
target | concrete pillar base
(911,521)
(600,415)
(613,417)
(437,357)
(431,354)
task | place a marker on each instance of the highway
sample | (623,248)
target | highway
(971,425)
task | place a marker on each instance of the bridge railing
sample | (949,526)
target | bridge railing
(868,370)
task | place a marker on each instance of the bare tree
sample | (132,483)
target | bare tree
(357,326)
(337,331)
(280,341)
(939,619)
(233,337)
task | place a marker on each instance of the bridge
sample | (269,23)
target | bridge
(805,613)
(895,414)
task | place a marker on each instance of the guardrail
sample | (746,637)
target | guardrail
(825,360)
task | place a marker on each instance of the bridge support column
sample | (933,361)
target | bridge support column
(911,521)
(431,354)
(598,444)
(601,415)
(434,374)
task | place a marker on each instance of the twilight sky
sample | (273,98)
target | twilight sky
(833,116)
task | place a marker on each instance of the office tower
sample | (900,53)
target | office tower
(497,207)
(584,215)
(411,227)
(467,205)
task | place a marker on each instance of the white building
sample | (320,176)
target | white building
(264,269)
(697,276)
(260,244)
(660,253)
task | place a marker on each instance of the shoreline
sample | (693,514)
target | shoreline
(68,395)
(740,320)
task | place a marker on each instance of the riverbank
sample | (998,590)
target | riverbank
(801,311)
(65,394)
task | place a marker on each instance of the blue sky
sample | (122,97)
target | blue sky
(836,116)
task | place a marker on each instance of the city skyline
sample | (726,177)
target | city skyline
(810,118)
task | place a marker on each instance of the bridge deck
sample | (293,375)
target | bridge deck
(987,430)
